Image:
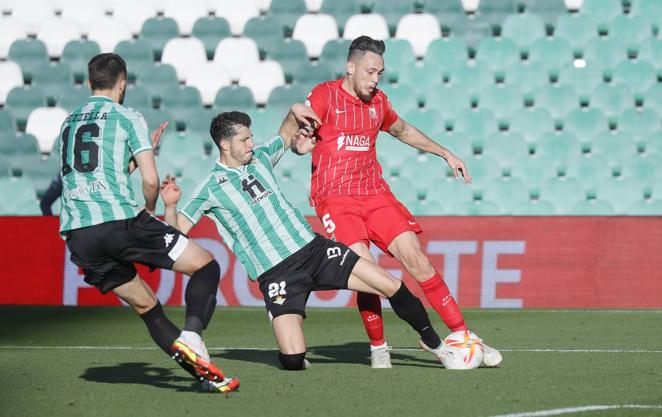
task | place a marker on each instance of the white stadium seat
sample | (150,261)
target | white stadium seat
(419,30)
(108,32)
(44,123)
(314,30)
(84,12)
(373,25)
(135,13)
(6,6)
(32,13)
(12,29)
(234,55)
(237,13)
(263,5)
(184,54)
(10,77)
(314,5)
(186,13)
(56,32)
(261,78)
(208,78)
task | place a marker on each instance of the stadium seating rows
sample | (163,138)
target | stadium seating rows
(535,98)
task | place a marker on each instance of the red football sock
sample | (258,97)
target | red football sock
(442,301)
(370,308)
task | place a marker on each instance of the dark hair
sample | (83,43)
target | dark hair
(364,44)
(224,125)
(104,70)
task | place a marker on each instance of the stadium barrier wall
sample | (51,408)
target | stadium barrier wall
(490,262)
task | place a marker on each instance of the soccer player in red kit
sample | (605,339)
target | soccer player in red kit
(352,199)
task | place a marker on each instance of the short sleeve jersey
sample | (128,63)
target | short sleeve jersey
(344,159)
(253,217)
(97,141)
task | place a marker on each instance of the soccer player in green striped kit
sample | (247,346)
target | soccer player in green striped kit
(274,242)
(101,143)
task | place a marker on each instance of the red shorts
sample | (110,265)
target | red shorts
(378,218)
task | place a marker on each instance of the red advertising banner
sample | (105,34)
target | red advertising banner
(491,262)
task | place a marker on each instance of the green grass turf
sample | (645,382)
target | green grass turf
(142,381)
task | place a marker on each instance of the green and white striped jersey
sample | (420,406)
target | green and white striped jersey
(97,141)
(254,218)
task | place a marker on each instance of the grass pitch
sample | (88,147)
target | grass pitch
(101,362)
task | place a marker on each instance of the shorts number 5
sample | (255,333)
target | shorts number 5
(329,225)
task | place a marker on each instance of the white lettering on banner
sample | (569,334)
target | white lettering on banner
(72,280)
(396,272)
(492,276)
(452,250)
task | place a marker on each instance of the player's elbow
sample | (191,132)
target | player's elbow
(151,181)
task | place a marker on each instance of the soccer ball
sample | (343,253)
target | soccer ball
(464,350)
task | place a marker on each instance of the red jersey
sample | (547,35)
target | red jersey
(344,159)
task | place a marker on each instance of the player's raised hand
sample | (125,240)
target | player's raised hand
(305,115)
(156,134)
(304,140)
(458,166)
(170,192)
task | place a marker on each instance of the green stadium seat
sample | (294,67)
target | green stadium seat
(199,124)
(605,52)
(265,124)
(501,99)
(41,172)
(631,30)
(534,208)
(20,102)
(653,97)
(179,148)
(593,207)
(392,10)
(506,147)
(482,168)
(536,169)
(287,12)
(638,75)
(308,75)
(529,76)
(264,30)
(158,79)
(7,123)
(210,30)
(334,54)
(591,169)
(282,97)
(653,144)
(77,54)
(342,10)
(447,100)
(496,11)
(155,117)
(646,208)
(292,165)
(583,80)
(21,151)
(648,9)
(505,193)
(29,54)
(563,192)
(612,99)
(156,32)
(577,29)
(420,77)
(476,208)
(423,172)
(425,120)
(476,123)
(5,168)
(234,98)
(445,53)
(445,11)
(585,123)
(473,77)
(532,122)
(602,12)
(405,189)
(73,96)
(471,28)
(425,208)
(52,78)
(398,54)
(182,103)
(289,53)
(523,29)
(201,169)
(606,142)
(558,99)
(549,11)
(622,193)
(559,145)
(457,143)
(552,53)
(449,192)
(651,50)
(293,190)
(498,53)
(392,153)
(402,97)
(22,193)
(137,97)
(138,56)
(639,123)
(647,168)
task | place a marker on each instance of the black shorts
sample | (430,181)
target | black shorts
(320,265)
(106,251)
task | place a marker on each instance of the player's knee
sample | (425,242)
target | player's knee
(294,362)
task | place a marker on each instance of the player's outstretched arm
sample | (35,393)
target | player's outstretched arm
(298,126)
(147,166)
(408,134)
(170,194)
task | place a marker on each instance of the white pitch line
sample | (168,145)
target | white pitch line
(573,410)
(314,349)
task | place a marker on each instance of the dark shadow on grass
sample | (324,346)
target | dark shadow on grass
(140,373)
(349,353)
